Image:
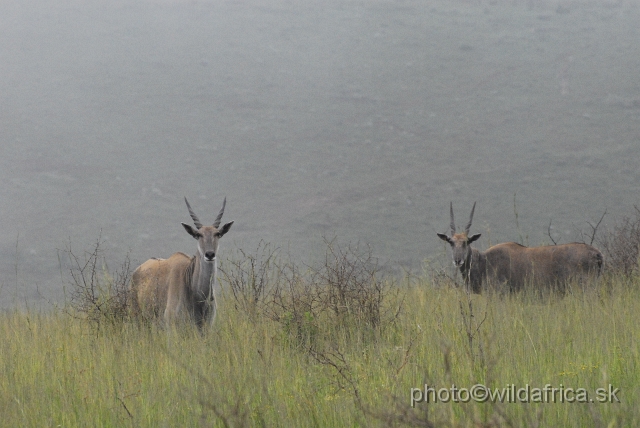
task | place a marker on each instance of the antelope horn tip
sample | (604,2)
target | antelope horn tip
(216,223)
(470,218)
(452,224)
(193,215)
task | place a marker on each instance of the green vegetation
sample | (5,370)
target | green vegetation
(339,345)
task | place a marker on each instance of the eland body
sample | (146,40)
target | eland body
(513,265)
(181,287)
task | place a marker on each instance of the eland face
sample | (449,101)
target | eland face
(460,247)
(460,242)
(208,238)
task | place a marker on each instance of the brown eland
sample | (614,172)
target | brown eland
(512,266)
(182,287)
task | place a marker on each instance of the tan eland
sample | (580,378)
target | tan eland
(181,287)
(512,265)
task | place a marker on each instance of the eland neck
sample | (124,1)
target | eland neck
(203,277)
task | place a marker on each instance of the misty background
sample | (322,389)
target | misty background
(358,120)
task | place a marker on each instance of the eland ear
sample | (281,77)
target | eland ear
(224,229)
(191,231)
(444,237)
(473,238)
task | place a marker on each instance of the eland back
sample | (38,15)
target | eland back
(181,287)
(513,266)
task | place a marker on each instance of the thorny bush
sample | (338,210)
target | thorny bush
(621,246)
(96,295)
(346,293)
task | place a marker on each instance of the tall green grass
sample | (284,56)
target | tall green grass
(56,370)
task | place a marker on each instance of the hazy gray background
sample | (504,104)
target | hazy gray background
(355,119)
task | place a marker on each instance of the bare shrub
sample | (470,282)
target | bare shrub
(471,324)
(250,278)
(262,285)
(622,246)
(345,296)
(441,278)
(96,295)
(344,376)
(346,292)
(352,285)
(296,305)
